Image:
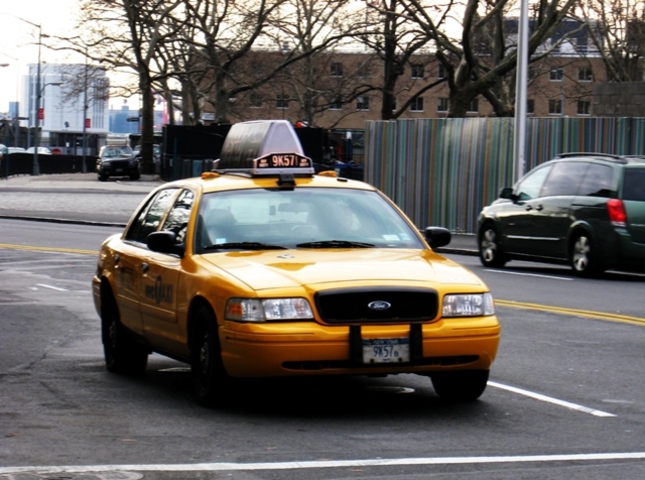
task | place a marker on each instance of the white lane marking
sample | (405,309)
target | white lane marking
(555,401)
(52,287)
(377,462)
(566,279)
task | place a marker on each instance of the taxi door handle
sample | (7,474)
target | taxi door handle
(145,267)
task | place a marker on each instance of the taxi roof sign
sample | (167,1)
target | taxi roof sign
(264,147)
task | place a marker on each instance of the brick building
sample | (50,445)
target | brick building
(560,85)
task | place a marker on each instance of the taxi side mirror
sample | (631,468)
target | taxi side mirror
(437,236)
(165,242)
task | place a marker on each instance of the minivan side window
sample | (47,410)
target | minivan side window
(530,186)
(564,179)
(598,181)
(634,184)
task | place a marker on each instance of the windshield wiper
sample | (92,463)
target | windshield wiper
(244,246)
(334,244)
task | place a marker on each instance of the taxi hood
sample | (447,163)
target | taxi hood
(288,269)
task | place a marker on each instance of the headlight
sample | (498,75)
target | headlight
(256,310)
(469,305)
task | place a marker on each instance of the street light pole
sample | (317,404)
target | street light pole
(36,166)
(519,145)
(84,166)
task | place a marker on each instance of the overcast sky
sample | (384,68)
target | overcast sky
(18,41)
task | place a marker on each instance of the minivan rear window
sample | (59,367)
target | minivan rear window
(564,179)
(598,181)
(634,184)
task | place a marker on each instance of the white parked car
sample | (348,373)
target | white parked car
(41,150)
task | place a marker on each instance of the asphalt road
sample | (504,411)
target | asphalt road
(564,398)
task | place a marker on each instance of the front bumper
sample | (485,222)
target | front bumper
(117,168)
(308,348)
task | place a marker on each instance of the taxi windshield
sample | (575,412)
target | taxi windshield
(300,218)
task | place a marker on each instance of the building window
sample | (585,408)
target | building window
(232,98)
(473,106)
(555,107)
(363,103)
(255,100)
(363,70)
(336,69)
(584,74)
(417,104)
(442,72)
(336,104)
(584,107)
(442,104)
(417,70)
(530,107)
(556,74)
(282,102)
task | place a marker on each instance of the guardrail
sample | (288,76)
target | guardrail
(23,164)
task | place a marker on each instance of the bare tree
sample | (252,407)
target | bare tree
(617,29)
(477,61)
(398,43)
(318,32)
(127,35)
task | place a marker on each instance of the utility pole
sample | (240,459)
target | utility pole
(84,167)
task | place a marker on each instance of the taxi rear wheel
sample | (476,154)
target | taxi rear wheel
(122,354)
(460,386)
(209,376)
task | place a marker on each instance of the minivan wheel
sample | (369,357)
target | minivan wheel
(582,257)
(490,252)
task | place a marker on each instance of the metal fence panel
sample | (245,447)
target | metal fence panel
(444,171)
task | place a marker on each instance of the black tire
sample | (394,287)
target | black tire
(210,379)
(583,257)
(460,386)
(135,176)
(102,177)
(490,252)
(122,354)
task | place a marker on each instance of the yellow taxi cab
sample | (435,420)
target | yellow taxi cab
(262,268)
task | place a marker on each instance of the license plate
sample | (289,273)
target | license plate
(386,350)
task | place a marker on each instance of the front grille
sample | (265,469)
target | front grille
(361,305)
(122,164)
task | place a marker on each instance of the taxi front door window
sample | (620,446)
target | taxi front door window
(177,219)
(150,216)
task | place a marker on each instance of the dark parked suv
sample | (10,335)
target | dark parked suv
(117,161)
(585,209)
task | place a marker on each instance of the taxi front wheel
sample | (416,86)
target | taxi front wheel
(122,354)
(460,386)
(209,376)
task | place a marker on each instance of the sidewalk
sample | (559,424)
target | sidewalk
(79,198)
(73,198)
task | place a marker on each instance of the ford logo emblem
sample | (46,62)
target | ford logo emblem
(379,305)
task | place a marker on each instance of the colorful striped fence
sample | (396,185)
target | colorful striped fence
(444,171)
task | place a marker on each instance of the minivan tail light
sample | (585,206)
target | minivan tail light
(617,214)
